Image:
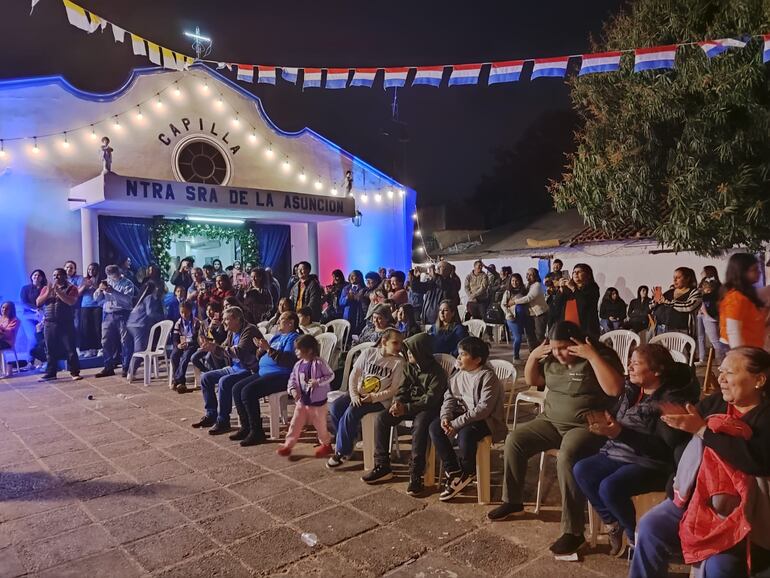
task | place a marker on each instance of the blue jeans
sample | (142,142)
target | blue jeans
(347,419)
(117,343)
(609,484)
(708,327)
(517,334)
(247,393)
(608,325)
(468,439)
(658,542)
(217,390)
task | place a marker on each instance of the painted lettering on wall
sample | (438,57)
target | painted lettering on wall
(199,125)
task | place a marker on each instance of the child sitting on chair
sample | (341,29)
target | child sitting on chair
(308,385)
(184,338)
(306,323)
(472,410)
(376,376)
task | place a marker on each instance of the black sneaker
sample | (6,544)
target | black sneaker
(105,373)
(455,484)
(205,421)
(181,388)
(335,461)
(240,434)
(220,428)
(378,474)
(415,488)
(254,438)
(504,510)
(567,544)
(616,536)
(47,377)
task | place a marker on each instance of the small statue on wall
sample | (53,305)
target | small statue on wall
(106,155)
(348,181)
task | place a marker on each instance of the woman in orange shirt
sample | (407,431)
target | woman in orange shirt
(741,312)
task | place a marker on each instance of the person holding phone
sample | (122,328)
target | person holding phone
(353,302)
(183,276)
(579,376)
(675,310)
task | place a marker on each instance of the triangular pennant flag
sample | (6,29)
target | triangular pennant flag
(137,43)
(118,33)
(76,16)
(154,52)
(96,22)
(168,58)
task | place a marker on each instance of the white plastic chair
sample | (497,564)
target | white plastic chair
(340,328)
(263,326)
(6,369)
(483,469)
(196,376)
(350,358)
(461,311)
(268,336)
(499,332)
(680,342)
(532,395)
(476,327)
(621,340)
(507,374)
(447,362)
(328,342)
(151,357)
(678,356)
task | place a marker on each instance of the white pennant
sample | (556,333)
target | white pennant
(77,16)
(118,33)
(137,42)
(34,3)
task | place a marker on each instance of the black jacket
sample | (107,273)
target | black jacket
(311,296)
(587,299)
(435,291)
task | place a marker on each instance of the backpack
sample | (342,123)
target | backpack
(494,314)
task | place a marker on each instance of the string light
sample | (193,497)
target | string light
(418,232)
(159,102)
(253,136)
(177,91)
(390,193)
(302,177)
(65,143)
(401,193)
(2,148)
(414,216)
(269,151)
(139,114)
(116,124)
(378,197)
(93,133)
(236,120)
(35,148)
(421,249)
(205,86)
(286,165)
(333,190)
(220,102)
(318,184)
(364,198)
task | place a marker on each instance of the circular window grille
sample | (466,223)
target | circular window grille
(199,160)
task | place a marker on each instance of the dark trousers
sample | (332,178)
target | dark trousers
(117,343)
(536,329)
(468,439)
(205,361)
(609,485)
(90,328)
(248,391)
(658,542)
(38,343)
(217,389)
(476,309)
(180,359)
(421,422)
(60,343)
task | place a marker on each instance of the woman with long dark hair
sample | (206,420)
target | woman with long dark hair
(90,322)
(331,297)
(448,331)
(406,322)
(32,314)
(516,315)
(675,309)
(581,299)
(612,311)
(257,299)
(354,302)
(741,313)
(639,310)
(708,316)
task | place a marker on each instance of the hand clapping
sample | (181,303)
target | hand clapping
(690,421)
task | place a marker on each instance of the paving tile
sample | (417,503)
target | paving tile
(63,445)
(86,472)
(326,564)
(161,550)
(387,505)
(230,526)
(380,550)
(266,486)
(120,503)
(21,479)
(271,549)
(433,527)
(235,473)
(309,471)
(336,524)
(148,522)
(113,563)
(139,460)
(10,563)
(341,488)
(207,503)
(435,564)
(125,447)
(97,487)
(168,439)
(43,525)
(35,503)
(65,547)
(295,503)
(207,566)
(68,460)
(184,485)
(14,456)
(488,552)
(160,472)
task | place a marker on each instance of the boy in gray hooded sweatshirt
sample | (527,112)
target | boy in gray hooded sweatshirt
(418,399)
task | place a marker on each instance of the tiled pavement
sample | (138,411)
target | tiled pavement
(121,485)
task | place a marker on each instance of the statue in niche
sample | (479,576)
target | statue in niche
(106,155)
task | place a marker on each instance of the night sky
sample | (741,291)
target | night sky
(452,132)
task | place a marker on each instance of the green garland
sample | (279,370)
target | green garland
(164,230)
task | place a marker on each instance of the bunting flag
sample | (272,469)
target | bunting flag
(395,77)
(96,22)
(137,43)
(153,53)
(118,33)
(553,67)
(290,74)
(77,16)
(766,50)
(245,72)
(311,78)
(714,48)
(266,74)
(363,77)
(32,9)
(168,59)
(428,75)
(600,62)
(655,58)
(509,71)
(188,60)
(337,77)
(463,74)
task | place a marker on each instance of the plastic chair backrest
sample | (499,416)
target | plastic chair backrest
(674,341)
(476,327)
(678,356)
(164,329)
(341,329)
(504,370)
(447,362)
(263,326)
(268,337)
(327,341)
(621,340)
(350,358)
(461,310)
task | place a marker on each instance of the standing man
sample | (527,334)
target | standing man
(71,268)
(477,289)
(58,300)
(558,273)
(307,291)
(440,287)
(116,295)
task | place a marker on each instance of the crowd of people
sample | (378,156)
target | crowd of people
(622,427)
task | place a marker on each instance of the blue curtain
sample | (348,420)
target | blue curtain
(273,241)
(129,236)
(543,267)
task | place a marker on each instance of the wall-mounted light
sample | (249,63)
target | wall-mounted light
(357,218)
(35,148)
(378,197)
(333,191)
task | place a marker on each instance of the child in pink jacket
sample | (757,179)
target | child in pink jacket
(308,385)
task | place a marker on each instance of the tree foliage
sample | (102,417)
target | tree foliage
(684,153)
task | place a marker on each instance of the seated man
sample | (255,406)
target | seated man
(184,343)
(418,399)
(580,379)
(212,329)
(240,352)
(473,408)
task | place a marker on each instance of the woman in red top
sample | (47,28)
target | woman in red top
(223,288)
(741,312)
